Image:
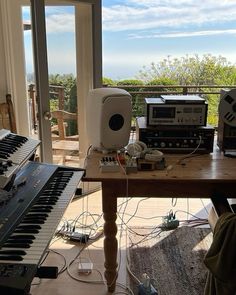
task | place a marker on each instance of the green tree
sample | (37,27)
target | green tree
(190,70)
(137,100)
(107,81)
(65,80)
(194,70)
(161,81)
(68,81)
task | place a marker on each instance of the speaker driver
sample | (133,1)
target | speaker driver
(116,122)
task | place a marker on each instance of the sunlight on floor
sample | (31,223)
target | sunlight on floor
(88,211)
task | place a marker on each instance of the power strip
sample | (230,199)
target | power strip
(146,288)
(109,164)
(85,267)
(169,222)
(142,290)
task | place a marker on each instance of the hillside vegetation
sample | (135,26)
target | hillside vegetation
(207,70)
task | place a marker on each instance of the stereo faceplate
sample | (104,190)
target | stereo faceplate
(176,139)
(165,112)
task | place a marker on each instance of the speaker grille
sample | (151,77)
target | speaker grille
(116,122)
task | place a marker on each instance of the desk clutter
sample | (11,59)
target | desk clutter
(135,157)
(177,124)
(174,124)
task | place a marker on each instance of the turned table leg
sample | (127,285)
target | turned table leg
(109,203)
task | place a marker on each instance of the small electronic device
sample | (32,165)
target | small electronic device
(176,110)
(226,137)
(109,164)
(85,267)
(176,139)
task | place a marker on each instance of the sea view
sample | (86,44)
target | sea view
(136,34)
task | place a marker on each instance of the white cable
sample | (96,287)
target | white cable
(171,167)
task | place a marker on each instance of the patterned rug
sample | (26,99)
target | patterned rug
(173,259)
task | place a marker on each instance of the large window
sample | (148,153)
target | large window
(78,51)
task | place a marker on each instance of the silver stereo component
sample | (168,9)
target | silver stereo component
(176,110)
(176,139)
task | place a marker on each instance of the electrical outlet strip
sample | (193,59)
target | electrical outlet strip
(142,290)
(78,237)
(85,267)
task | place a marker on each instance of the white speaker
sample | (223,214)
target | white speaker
(108,117)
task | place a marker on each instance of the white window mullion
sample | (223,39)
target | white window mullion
(89,60)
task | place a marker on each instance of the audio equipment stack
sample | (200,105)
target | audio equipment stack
(176,124)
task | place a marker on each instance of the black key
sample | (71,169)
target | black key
(20,237)
(16,245)
(33,221)
(11,257)
(20,241)
(27,230)
(15,252)
(24,226)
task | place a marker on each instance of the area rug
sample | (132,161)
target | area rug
(173,260)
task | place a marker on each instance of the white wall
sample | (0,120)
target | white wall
(12,52)
(3,80)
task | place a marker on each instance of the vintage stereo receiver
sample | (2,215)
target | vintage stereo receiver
(176,110)
(176,139)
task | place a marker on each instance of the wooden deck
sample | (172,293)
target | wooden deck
(65,152)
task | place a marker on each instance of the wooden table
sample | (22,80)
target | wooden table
(198,177)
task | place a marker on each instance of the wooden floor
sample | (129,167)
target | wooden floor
(143,209)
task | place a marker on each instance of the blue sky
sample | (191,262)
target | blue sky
(136,33)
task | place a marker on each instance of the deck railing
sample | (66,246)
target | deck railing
(139,92)
(57,96)
(178,89)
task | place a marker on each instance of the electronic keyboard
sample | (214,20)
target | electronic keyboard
(15,150)
(29,215)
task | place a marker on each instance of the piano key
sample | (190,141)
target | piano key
(11,257)
(24,151)
(16,252)
(14,149)
(17,237)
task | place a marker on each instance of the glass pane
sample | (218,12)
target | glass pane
(60,33)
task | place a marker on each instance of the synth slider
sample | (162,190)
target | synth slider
(29,219)
(15,150)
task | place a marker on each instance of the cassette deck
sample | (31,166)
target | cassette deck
(176,110)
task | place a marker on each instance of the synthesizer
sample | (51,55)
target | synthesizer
(15,150)
(29,216)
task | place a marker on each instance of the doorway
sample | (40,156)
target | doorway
(82,49)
